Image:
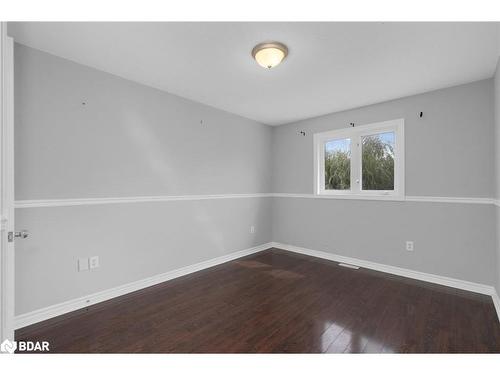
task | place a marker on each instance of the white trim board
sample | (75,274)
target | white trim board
(138,199)
(417,275)
(496,302)
(48,312)
(408,198)
(34,203)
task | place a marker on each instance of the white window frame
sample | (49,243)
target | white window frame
(355,134)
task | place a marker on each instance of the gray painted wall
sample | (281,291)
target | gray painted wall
(127,140)
(448,153)
(133,240)
(454,240)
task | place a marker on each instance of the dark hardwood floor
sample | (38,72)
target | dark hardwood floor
(276,302)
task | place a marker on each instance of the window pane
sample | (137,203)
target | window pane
(378,161)
(338,164)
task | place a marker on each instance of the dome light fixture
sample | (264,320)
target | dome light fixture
(268,55)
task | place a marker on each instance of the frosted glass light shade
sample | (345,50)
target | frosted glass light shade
(268,55)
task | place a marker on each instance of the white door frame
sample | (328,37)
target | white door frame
(6,184)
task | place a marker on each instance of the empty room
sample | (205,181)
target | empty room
(250,187)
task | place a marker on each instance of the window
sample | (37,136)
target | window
(364,160)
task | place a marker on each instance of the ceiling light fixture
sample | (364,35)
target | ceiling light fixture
(268,55)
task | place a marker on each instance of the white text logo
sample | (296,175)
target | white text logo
(24,346)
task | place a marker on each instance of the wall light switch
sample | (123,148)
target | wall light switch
(83,264)
(409,246)
(94,262)
(252,229)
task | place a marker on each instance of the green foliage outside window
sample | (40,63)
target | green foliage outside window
(337,170)
(377,164)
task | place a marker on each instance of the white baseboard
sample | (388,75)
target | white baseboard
(78,303)
(442,280)
(496,302)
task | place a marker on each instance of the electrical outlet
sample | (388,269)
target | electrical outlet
(83,264)
(409,245)
(94,262)
(252,229)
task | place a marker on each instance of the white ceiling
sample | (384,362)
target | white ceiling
(331,66)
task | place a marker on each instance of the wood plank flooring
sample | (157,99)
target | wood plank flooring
(280,302)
